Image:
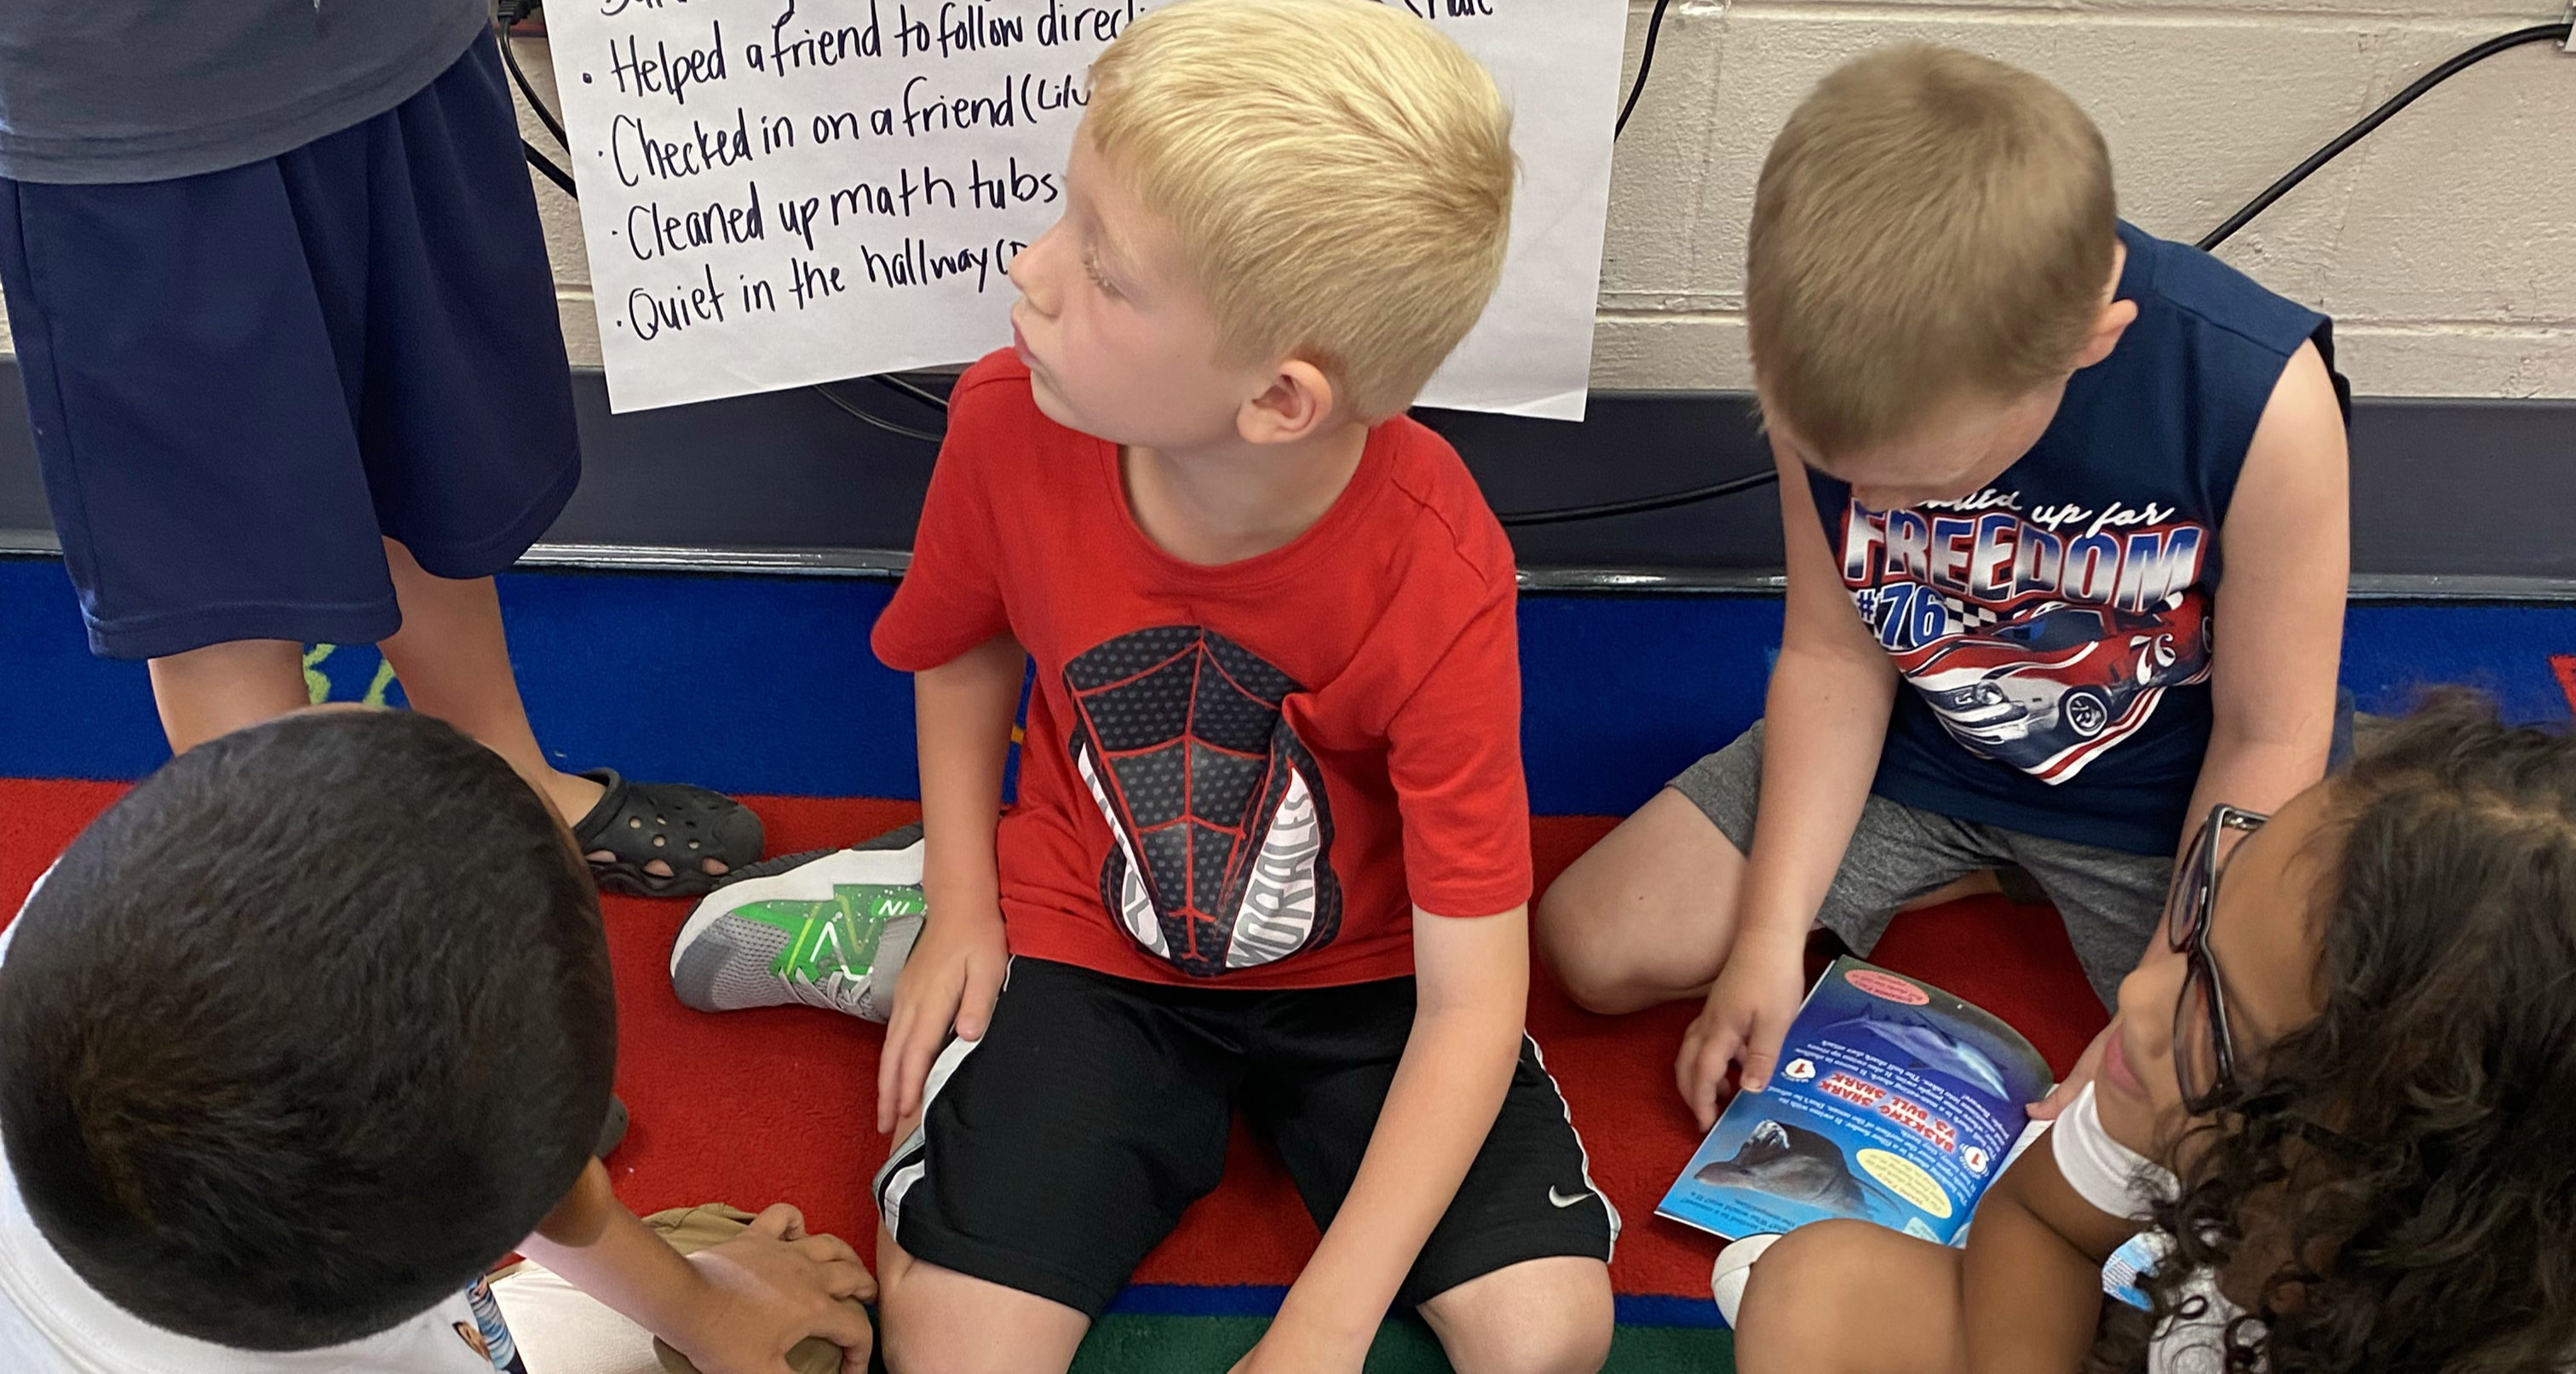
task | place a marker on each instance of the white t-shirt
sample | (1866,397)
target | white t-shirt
(2118,1180)
(53,1322)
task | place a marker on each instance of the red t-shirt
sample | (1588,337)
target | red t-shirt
(1251,772)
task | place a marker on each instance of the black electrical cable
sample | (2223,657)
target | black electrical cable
(2537,33)
(2562,33)
(510,59)
(889,426)
(922,394)
(1645,63)
(545,164)
(1642,504)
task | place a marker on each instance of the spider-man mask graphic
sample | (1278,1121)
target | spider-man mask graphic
(1223,836)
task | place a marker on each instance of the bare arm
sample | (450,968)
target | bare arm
(736,1308)
(1824,723)
(1825,720)
(1472,980)
(2032,1280)
(2278,624)
(964,709)
(2277,629)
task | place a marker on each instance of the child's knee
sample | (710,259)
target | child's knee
(936,1321)
(1571,923)
(1560,921)
(1548,1316)
(1801,1297)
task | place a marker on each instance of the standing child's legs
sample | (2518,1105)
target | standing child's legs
(246,385)
(451,656)
(453,661)
(1852,1297)
(213,691)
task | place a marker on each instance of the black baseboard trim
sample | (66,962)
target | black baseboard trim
(2453,499)
(888,564)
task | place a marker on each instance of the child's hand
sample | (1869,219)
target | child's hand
(1747,1016)
(1289,1347)
(2063,1096)
(952,979)
(769,1288)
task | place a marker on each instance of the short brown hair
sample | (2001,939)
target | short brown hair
(1339,173)
(1930,225)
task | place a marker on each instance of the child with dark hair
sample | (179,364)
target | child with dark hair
(2343,1105)
(299,1039)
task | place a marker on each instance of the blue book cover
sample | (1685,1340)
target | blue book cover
(1893,1102)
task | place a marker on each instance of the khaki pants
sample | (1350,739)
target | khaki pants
(562,1330)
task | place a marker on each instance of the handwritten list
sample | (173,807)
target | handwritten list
(778,192)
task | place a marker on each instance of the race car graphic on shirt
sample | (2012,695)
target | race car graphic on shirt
(1222,835)
(2037,648)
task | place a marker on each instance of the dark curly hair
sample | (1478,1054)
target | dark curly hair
(2394,1185)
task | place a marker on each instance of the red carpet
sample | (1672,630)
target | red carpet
(756,1107)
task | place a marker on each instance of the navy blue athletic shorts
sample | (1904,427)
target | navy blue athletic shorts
(240,380)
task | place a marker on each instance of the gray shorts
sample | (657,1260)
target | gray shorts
(2111,901)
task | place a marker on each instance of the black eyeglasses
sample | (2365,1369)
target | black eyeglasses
(2204,1051)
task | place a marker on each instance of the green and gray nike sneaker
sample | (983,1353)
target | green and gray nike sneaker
(829,929)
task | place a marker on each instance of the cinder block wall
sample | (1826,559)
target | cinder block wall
(2444,245)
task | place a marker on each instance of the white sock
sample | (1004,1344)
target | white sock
(1734,1269)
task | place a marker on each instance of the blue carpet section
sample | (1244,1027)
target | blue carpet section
(1257,1300)
(766,684)
(1191,1300)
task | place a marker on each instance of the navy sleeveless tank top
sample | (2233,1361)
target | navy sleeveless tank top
(2053,628)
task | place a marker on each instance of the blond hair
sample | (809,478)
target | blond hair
(1339,174)
(1930,226)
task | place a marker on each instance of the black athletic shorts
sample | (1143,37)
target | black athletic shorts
(1063,1146)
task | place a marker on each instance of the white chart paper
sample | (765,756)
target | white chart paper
(778,192)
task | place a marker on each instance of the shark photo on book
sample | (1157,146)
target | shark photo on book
(1894,1102)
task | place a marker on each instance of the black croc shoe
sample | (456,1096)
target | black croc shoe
(683,826)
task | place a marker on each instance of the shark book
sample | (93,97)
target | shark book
(1893,1102)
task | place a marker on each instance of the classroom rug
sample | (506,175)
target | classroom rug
(779,1104)
(765,687)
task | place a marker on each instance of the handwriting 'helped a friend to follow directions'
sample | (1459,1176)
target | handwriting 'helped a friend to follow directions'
(783,191)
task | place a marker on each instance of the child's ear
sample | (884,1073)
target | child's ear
(1298,403)
(2113,322)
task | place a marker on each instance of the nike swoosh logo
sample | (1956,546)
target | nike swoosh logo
(1558,1199)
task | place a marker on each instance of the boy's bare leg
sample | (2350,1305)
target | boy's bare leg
(1648,914)
(454,663)
(221,688)
(1850,1297)
(938,1321)
(1543,1316)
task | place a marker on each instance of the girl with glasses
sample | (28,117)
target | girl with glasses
(2335,1126)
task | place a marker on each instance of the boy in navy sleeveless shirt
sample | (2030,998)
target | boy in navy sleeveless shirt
(2022,440)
